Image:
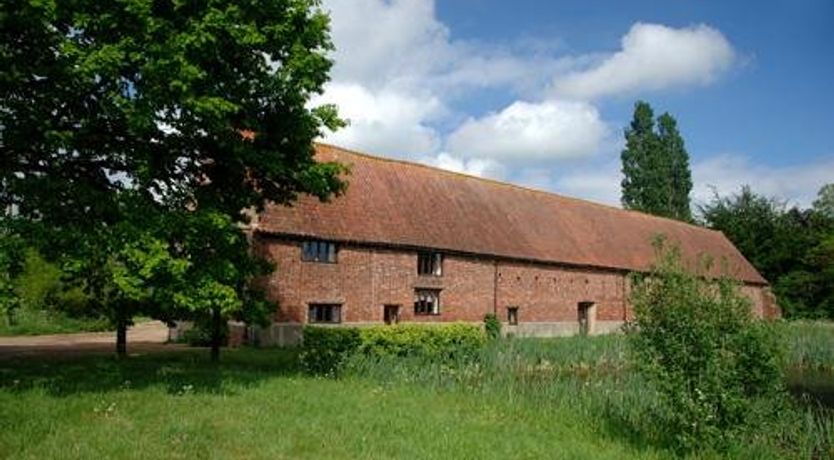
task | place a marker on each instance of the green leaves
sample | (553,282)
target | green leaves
(698,343)
(122,142)
(655,166)
(791,247)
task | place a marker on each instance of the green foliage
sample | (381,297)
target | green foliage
(39,322)
(698,343)
(201,334)
(325,349)
(824,204)
(492,326)
(792,248)
(11,264)
(39,284)
(139,136)
(655,166)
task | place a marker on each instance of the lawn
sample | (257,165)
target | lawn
(564,398)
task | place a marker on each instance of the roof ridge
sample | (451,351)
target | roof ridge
(632,212)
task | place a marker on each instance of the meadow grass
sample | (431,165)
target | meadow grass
(39,322)
(523,398)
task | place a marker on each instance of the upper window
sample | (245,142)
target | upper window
(318,251)
(426,302)
(325,313)
(430,263)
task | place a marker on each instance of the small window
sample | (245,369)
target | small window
(430,263)
(512,316)
(325,313)
(318,251)
(426,302)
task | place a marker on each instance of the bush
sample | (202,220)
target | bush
(199,334)
(698,343)
(492,326)
(325,349)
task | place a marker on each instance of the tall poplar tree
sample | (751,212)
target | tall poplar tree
(675,160)
(655,166)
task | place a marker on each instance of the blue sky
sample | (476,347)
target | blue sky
(537,93)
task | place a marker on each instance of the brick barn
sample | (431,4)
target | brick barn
(412,243)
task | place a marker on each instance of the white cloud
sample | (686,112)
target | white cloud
(384,122)
(652,57)
(527,131)
(407,62)
(481,167)
(727,173)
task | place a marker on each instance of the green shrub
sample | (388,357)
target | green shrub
(698,343)
(448,341)
(325,349)
(492,326)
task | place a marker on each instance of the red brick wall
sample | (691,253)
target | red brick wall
(545,293)
(364,279)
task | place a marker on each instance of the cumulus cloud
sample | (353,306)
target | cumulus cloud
(652,57)
(532,131)
(400,79)
(724,174)
(385,122)
(727,173)
(481,167)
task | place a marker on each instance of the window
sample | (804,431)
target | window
(430,263)
(318,251)
(426,302)
(325,313)
(512,316)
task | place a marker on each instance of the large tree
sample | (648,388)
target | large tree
(655,166)
(109,109)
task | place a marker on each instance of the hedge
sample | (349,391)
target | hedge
(326,348)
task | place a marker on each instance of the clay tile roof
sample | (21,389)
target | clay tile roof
(398,203)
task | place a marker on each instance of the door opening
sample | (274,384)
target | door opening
(391,314)
(586,312)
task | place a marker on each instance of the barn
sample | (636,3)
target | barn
(412,243)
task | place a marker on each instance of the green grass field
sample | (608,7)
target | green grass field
(40,322)
(563,398)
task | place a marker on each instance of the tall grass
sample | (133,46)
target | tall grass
(591,377)
(810,344)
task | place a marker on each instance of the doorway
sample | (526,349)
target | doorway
(586,313)
(391,314)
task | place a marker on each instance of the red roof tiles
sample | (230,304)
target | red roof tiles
(398,203)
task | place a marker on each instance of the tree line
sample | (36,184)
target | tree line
(792,247)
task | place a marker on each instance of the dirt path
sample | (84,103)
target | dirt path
(141,338)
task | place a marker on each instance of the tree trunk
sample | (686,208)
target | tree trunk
(216,334)
(121,338)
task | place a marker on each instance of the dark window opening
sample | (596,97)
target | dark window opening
(391,314)
(512,316)
(430,263)
(426,302)
(318,251)
(325,313)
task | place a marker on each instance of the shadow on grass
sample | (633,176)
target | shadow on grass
(188,371)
